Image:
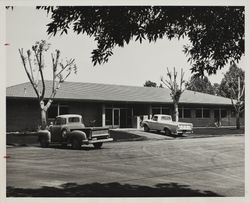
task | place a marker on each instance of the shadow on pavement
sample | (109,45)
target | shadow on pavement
(113,189)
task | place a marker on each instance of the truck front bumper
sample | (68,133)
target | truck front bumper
(97,141)
(182,132)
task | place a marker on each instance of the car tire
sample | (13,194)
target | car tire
(76,144)
(44,143)
(98,145)
(167,132)
(146,128)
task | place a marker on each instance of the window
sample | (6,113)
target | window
(155,118)
(156,110)
(74,120)
(52,112)
(223,113)
(166,111)
(206,113)
(166,118)
(60,121)
(233,113)
(187,113)
(198,113)
(63,110)
(108,119)
(180,112)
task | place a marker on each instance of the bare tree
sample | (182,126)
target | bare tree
(34,64)
(175,89)
(239,103)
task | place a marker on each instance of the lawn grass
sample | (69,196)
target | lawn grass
(218,131)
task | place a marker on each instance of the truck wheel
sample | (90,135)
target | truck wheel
(76,144)
(146,128)
(44,143)
(97,145)
(167,132)
(64,132)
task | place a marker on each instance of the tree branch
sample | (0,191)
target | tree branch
(28,74)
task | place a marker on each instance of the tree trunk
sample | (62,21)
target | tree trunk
(176,112)
(237,120)
(43,119)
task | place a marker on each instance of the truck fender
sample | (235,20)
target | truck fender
(44,134)
(78,135)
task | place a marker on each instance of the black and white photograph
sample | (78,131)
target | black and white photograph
(124,101)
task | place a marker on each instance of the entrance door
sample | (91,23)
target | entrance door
(217,117)
(116,118)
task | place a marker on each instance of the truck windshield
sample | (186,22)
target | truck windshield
(60,121)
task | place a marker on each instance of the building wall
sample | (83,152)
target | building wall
(22,115)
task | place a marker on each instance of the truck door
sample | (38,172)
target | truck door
(56,129)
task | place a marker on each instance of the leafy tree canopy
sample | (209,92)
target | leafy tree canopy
(149,83)
(229,84)
(216,34)
(200,84)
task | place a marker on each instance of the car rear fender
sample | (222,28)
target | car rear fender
(77,134)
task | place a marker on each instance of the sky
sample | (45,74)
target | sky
(132,64)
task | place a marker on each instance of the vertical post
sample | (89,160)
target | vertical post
(103,115)
(150,111)
(58,109)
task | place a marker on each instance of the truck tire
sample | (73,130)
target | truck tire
(44,143)
(76,143)
(146,128)
(167,132)
(98,145)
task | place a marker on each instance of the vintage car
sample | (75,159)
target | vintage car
(69,129)
(165,123)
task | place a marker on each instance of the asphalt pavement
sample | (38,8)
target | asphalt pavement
(154,168)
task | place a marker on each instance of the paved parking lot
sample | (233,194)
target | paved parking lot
(184,167)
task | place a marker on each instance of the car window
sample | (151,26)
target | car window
(165,118)
(155,118)
(74,120)
(60,121)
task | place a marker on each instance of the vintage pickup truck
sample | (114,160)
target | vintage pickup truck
(69,129)
(164,123)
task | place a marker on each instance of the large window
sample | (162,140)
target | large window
(52,112)
(187,113)
(165,111)
(206,113)
(223,113)
(202,113)
(198,113)
(156,110)
(180,112)
(160,110)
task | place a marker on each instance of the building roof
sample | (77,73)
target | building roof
(118,93)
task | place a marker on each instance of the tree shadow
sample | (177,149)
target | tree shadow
(112,189)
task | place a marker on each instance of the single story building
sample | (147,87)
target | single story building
(116,106)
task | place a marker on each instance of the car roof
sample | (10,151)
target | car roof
(69,115)
(161,115)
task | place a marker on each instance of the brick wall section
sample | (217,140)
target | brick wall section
(22,115)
